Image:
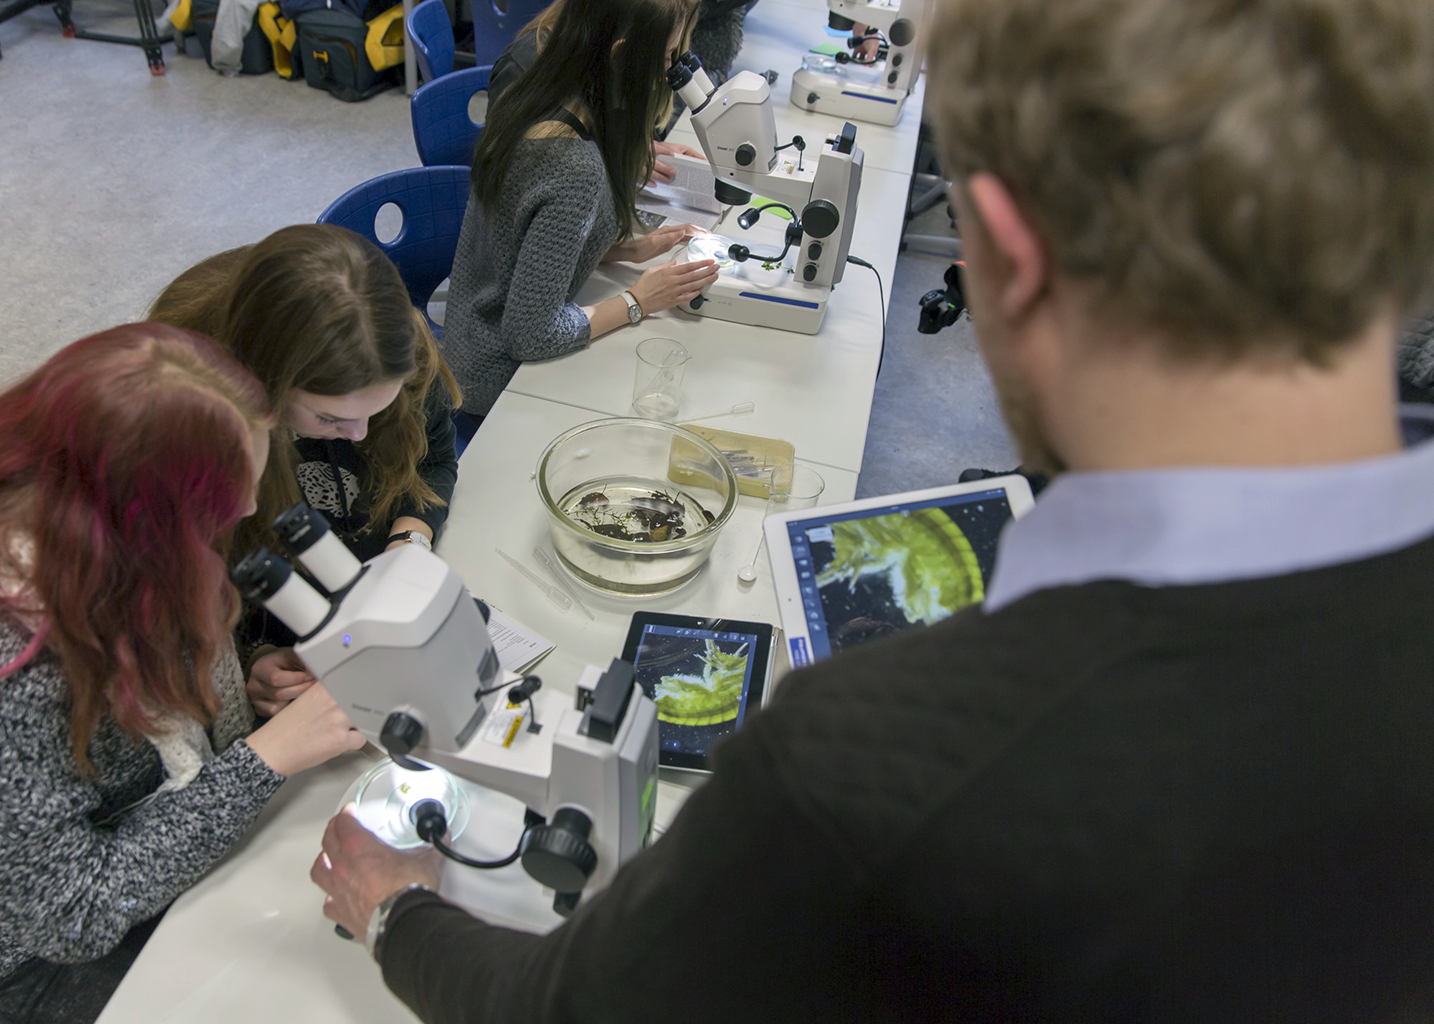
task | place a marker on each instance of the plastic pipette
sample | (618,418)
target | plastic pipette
(740,409)
(557,574)
(555,595)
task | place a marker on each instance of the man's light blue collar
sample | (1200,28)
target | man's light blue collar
(1174,527)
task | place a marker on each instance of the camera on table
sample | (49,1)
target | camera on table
(942,307)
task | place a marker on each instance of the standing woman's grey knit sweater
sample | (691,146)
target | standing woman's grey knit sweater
(79,864)
(520,264)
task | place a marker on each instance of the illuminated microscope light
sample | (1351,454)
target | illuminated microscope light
(386,795)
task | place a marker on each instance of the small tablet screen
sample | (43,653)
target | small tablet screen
(868,573)
(704,675)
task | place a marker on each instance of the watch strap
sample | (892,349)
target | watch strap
(413,537)
(378,920)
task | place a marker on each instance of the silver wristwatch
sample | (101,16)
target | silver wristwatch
(634,310)
(413,537)
(378,921)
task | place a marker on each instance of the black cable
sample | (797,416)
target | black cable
(452,854)
(881,292)
(431,823)
(494,689)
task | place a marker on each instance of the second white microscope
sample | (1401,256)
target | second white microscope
(874,91)
(738,133)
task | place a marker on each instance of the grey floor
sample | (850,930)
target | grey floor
(113,181)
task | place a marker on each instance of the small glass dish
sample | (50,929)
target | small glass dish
(386,795)
(710,247)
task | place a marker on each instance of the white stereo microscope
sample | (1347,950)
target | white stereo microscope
(404,649)
(875,93)
(738,133)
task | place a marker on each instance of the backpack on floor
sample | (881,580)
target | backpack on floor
(351,59)
(256,57)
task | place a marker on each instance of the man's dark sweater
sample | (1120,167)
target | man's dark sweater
(1100,802)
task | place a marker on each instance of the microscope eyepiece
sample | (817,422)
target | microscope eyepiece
(266,578)
(300,528)
(260,575)
(690,61)
(306,534)
(678,75)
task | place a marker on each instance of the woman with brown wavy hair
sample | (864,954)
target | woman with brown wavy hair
(129,762)
(364,400)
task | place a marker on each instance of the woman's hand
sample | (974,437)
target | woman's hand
(663,172)
(654,243)
(671,284)
(275,679)
(311,729)
(358,871)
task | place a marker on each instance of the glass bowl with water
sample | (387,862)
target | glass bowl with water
(634,506)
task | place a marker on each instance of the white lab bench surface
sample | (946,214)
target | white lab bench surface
(249,942)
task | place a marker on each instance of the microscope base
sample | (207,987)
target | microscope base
(505,896)
(789,307)
(828,94)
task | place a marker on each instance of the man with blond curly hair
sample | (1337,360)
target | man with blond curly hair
(1180,765)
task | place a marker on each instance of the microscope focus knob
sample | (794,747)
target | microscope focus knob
(902,32)
(401,733)
(820,218)
(746,153)
(558,854)
(812,97)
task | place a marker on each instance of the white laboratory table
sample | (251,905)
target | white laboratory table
(249,942)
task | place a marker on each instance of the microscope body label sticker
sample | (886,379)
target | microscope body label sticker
(503,724)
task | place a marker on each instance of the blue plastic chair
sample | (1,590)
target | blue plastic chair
(494,29)
(442,130)
(432,200)
(432,35)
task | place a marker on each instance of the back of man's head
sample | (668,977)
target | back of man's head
(1259,170)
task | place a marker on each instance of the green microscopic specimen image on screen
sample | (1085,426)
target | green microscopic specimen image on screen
(922,555)
(712,697)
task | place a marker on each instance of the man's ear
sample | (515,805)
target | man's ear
(1026,269)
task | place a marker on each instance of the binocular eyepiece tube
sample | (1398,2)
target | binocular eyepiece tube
(266,578)
(307,536)
(689,81)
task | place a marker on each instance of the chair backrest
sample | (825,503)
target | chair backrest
(432,200)
(432,35)
(443,131)
(494,29)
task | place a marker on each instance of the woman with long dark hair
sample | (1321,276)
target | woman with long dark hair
(555,180)
(364,432)
(129,762)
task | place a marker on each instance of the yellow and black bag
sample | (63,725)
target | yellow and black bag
(351,59)
(282,35)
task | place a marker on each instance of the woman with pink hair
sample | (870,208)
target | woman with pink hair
(127,762)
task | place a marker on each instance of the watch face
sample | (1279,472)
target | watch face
(634,314)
